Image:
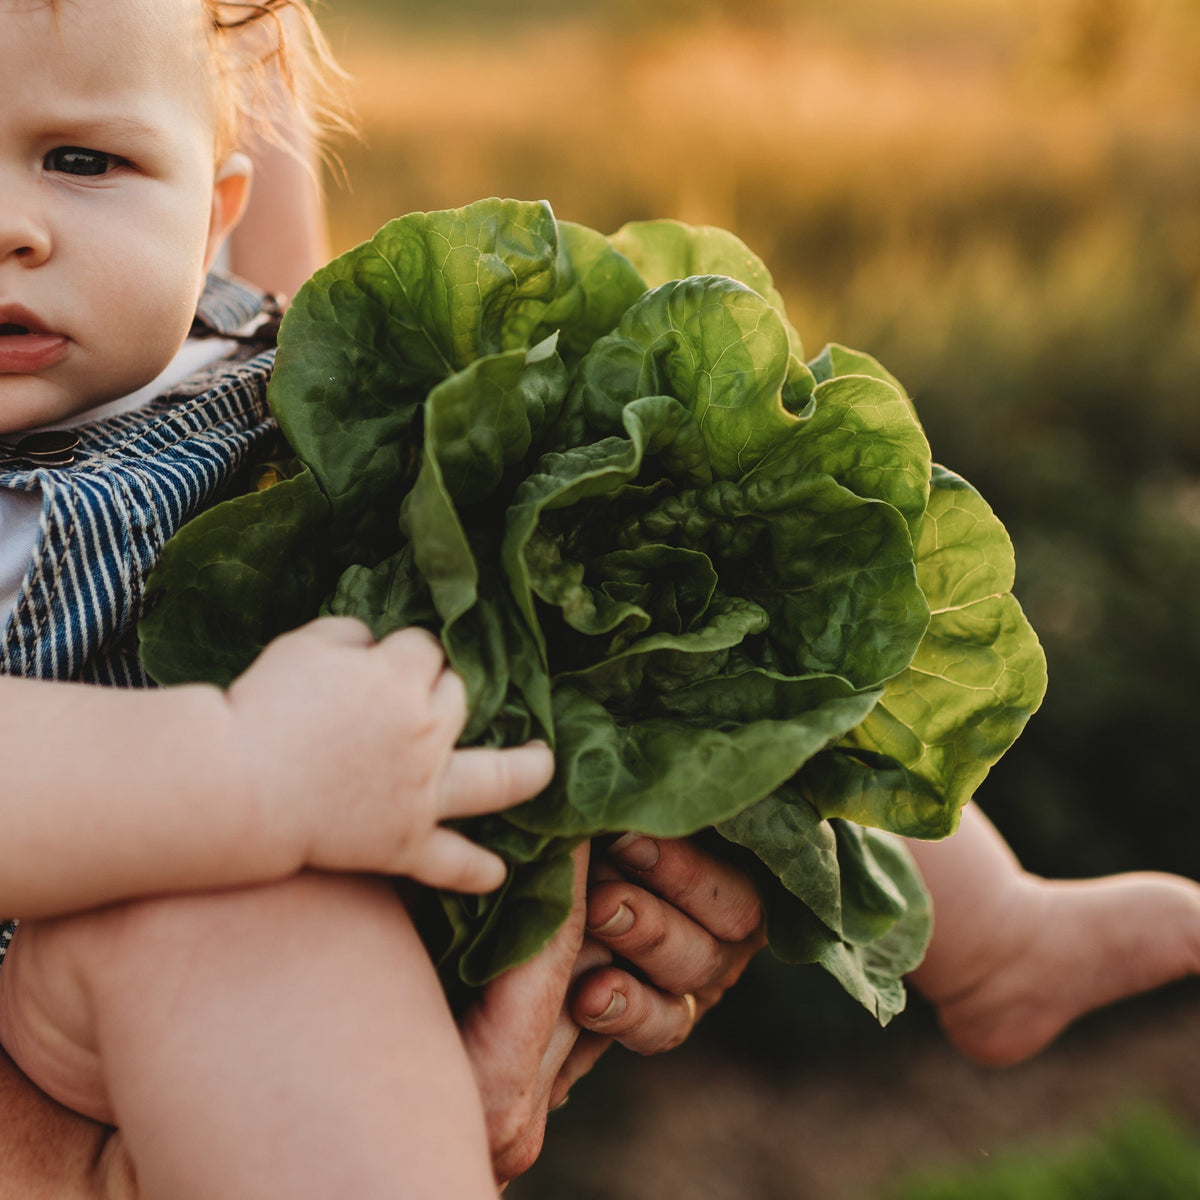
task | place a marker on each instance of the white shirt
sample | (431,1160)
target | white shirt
(21,512)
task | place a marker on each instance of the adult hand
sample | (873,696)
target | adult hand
(519,1034)
(685,921)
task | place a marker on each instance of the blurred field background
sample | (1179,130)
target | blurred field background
(1000,201)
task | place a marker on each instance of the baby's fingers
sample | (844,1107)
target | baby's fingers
(449,860)
(481,779)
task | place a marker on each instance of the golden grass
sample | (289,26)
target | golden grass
(890,159)
(674,109)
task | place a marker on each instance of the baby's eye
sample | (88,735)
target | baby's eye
(74,160)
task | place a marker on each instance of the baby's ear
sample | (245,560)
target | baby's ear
(231,191)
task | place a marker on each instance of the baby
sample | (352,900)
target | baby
(193,963)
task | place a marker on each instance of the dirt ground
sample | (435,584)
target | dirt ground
(699,1126)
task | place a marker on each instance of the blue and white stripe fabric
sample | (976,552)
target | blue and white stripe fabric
(136,479)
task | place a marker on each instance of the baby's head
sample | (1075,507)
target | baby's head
(119,178)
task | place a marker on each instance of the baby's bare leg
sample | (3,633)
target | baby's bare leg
(290,1041)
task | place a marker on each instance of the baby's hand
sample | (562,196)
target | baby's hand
(350,752)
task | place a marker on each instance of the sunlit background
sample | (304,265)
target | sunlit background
(1001,201)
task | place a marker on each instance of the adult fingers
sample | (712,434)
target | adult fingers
(518,1034)
(716,895)
(675,952)
(482,779)
(583,1057)
(687,922)
(450,860)
(601,868)
(516,1135)
(612,1003)
(569,1055)
(528,999)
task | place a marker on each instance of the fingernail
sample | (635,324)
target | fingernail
(559,1104)
(616,1006)
(620,922)
(636,851)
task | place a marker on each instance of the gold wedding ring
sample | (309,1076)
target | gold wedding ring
(692,1012)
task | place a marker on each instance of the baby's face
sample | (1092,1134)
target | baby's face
(106,198)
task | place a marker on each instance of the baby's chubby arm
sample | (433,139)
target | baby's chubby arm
(332,751)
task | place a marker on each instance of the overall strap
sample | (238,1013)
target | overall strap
(231,308)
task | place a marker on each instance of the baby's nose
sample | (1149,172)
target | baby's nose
(24,237)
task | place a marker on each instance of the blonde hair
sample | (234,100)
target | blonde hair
(275,77)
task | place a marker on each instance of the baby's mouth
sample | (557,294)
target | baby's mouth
(24,348)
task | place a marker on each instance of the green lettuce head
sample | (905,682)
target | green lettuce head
(728,586)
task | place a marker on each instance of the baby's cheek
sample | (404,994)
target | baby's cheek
(149,317)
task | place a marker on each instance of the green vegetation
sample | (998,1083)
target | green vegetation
(1146,1155)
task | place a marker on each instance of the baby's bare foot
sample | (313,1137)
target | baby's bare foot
(1092,942)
